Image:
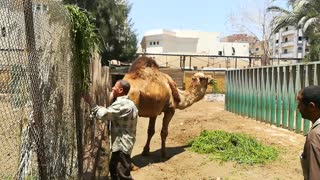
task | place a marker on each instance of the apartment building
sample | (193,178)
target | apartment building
(289,42)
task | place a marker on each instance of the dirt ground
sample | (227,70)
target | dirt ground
(184,164)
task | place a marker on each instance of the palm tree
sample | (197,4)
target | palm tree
(304,14)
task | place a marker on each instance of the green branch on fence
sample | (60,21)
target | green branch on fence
(85,43)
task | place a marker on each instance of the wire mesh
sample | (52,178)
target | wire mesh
(37,123)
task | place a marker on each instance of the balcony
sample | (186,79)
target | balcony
(288,43)
(287,55)
(288,32)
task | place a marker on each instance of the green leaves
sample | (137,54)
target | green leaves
(233,147)
(85,43)
(115,28)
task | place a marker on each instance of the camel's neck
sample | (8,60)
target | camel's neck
(187,98)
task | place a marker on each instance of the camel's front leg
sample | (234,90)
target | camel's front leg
(151,131)
(164,131)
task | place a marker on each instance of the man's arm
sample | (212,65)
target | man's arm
(314,166)
(88,99)
(101,112)
(314,154)
(97,111)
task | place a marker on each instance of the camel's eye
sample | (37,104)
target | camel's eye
(202,79)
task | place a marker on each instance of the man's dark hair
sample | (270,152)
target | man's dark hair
(311,94)
(125,85)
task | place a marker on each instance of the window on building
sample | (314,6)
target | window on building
(285,51)
(3,32)
(286,39)
(157,42)
(154,43)
(150,43)
(300,38)
(220,53)
(277,41)
(38,8)
(299,49)
(45,7)
(276,51)
(257,49)
(287,28)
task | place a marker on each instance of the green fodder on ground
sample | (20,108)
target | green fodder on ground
(233,147)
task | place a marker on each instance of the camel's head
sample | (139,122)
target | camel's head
(195,91)
(201,80)
(199,84)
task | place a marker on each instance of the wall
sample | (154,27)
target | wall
(268,94)
(219,77)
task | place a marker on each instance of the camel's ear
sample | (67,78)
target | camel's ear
(210,78)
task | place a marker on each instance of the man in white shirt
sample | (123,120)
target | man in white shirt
(123,115)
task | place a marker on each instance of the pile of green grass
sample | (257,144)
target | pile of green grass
(233,147)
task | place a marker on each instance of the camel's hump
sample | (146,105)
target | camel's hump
(143,62)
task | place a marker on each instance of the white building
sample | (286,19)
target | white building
(190,42)
(191,49)
(289,43)
(12,24)
(12,29)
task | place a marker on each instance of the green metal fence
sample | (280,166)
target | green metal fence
(268,94)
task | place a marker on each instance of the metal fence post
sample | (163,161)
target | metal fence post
(35,86)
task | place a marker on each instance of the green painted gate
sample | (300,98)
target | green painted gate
(268,94)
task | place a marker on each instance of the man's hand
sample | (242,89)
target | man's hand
(88,99)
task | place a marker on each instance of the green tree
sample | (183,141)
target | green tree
(304,14)
(119,40)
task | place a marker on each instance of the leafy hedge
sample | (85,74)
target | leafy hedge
(85,43)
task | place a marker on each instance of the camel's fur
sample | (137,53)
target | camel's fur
(155,92)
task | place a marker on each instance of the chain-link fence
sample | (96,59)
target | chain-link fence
(37,111)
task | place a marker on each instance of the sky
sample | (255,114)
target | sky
(202,15)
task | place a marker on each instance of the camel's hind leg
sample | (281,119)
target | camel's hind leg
(164,131)
(151,131)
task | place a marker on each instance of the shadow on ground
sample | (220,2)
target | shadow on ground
(155,156)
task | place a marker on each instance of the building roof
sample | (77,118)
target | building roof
(179,33)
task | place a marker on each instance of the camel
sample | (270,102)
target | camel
(154,92)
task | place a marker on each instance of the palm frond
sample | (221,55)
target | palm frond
(281,22)
(278,10)
(302,21)
(300,4)
(314,21)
